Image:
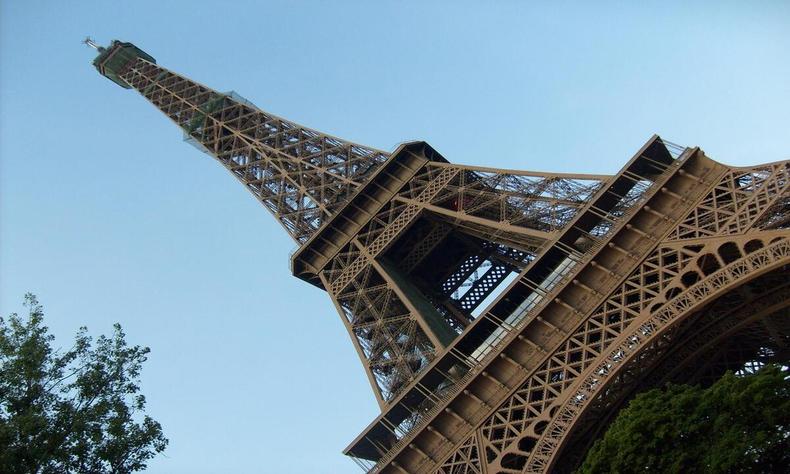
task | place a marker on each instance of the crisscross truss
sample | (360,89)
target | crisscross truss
(410,279)
(518,207)
(302,176)
(394,346)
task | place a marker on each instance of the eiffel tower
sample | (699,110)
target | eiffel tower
(504,317)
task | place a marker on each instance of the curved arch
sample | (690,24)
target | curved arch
(707,336)
(717,333)
(644,330)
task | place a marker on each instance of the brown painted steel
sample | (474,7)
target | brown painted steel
(503,317)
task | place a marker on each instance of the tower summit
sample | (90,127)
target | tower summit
(502,316)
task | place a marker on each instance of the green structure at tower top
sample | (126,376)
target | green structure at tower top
(112,60)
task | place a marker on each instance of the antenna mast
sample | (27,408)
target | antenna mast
(90,42)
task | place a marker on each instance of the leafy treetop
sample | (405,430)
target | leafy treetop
(78,410)
(739,424)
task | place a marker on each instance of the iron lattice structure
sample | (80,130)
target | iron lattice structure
(503,317)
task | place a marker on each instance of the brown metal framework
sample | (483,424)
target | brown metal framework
(503,317)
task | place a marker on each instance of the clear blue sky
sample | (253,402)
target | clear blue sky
(108,216)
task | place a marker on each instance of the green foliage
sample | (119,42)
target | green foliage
(72,411)
(739,424)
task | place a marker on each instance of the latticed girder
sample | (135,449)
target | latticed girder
(506,201)
(508,217)
(393,344)
(302,176)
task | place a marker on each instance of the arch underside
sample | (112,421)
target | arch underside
(740,331)
(685,288)
(716,304)
(711,304)
(722,306)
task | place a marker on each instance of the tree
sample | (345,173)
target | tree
(72,411)
(739,424)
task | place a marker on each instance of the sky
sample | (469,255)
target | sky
(109,217)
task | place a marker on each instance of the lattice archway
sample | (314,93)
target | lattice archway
(637,343)
(740,331)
